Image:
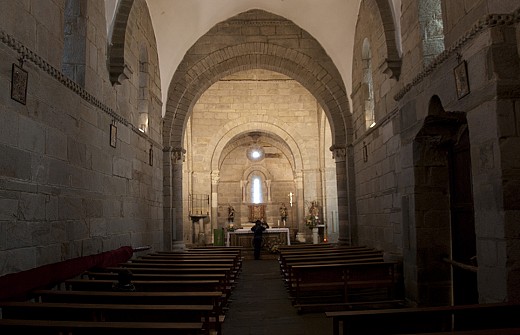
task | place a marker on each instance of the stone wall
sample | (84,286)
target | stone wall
(376,149)
(64,191)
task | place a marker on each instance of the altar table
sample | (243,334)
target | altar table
(271,236)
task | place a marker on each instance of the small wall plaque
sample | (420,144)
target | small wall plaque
(19,78)
(113,135)
(461,79)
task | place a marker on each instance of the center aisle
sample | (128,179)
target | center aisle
(260,305)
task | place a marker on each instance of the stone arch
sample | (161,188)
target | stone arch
(117,64)
(246,57)
(317,73)
(295,143)
(246,176)
(272,140)
(228,48)
(393,59)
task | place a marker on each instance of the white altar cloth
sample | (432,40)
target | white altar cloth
(248,231)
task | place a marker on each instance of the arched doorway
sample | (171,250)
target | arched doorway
(463,240)
(444,213)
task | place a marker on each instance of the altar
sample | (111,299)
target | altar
(271,237)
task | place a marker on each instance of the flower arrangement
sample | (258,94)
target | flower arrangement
(231,228)
(312,221)
(274,249)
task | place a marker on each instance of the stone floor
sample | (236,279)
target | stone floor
(260,305)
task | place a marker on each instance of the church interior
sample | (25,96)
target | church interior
(170,124)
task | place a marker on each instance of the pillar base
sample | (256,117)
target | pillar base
(178,246)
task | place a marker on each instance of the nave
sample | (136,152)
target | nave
(260,305)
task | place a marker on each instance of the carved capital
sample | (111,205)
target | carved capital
(177,155)
(215,177)
(339,153)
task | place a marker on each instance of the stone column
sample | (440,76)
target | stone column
(215,179)
(268,188)
(340,154)
(167,199)
(177,159)
(300,208)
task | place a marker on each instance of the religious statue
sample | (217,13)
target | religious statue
(314,210)
(283,213)
(231,214)
(313,219)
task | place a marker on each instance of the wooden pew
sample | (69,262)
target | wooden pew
(148,285)
(340,282)
(111,313)
(427,319)
(59,327)
(220,276)
(105,297)
(197,257)
(287,261)
(305,246)
(288,268)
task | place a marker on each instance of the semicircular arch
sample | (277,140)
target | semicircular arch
(310,66)
(260,123)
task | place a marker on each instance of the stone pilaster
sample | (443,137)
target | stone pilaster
(215,179)
(177,159)
(344,186)
(300,208)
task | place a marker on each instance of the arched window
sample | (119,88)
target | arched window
(368,85)
(256,189)
(144,93)
(432,29)
(75,41)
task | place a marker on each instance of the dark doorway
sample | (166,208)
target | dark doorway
(463,240)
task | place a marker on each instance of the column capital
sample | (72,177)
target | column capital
(215,176)
(339,152)
(177,155)
(298,177)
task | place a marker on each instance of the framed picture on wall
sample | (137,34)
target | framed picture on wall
(19,78)
(113,135)
(461,79)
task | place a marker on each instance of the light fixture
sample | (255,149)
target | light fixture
(255,153)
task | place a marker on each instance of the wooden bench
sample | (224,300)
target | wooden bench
(196,257)
(288,269)
(427,319)
(287,261)
(58,327)
(148,285)
(342,282)
(221,276)
(105,297)
(112,313)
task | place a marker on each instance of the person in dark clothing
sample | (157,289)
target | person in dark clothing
(124,281)
(258,230)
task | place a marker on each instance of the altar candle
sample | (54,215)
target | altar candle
(278,223)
